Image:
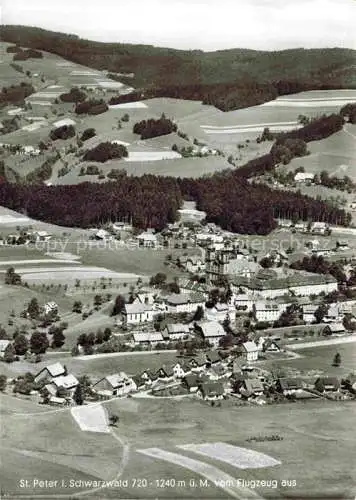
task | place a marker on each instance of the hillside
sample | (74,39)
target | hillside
(228,79)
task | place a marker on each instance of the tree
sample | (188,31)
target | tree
(107,334)
(337,359)
(119,305)
(91,338)
(78,395)
(39,343)
(82,339)
(20,344)
(98,300)
(99,339)
(199,314)
(12,278)
(88,134)
(58,338)
(113,420)
(77,307)
(85,384)
(33,309)
(3,381)
(158,279)
(321,312)
(9,354)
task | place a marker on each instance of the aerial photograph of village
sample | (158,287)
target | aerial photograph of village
(178,249)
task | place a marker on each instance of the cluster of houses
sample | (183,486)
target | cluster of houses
(210,376)
(25,237)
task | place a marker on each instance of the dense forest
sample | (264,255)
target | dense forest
(106,151)
(229,198)
(15,94)
(91,107)
(64,132)
(349,112)
(148,129)
(74,95)
(228,79)
(23,55)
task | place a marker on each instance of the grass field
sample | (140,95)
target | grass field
(315,451)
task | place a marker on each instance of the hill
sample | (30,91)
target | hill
(228,79)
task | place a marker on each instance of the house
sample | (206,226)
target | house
(289,385)
(50,308)
(342,246)
(192,381)
(42,236)
(139,382)
(198,362)
(50,372)
(250,387)
(333,315)
(147,298)
(184,302)
(3,345)
(327,384)
(243,302)
(136,313)
(176,331)
(147,338)
(211,391)
(250,351)
(268,311)
(301,227)
(212,358)
(220,312)
(118,384)
(269,345)
(56,401)
(303,177)
(166,372)
(147,240)
(149,377)
(349,382)
(319,227)
(210,331)
(192,263)
(334,329)
(68,382)
(308,311)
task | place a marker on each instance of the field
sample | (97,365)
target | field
(315,436)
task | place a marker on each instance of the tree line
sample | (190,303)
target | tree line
(15,94)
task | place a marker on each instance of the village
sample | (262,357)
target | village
(230,316)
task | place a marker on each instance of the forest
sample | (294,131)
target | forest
(91,107)
(106,151)
(15,94)
(63,132)
(148,129)
(74,95)
(227,79)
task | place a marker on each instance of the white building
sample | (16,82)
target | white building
(147,240)
(137,313)
(184,302)
(250,350)
(3,345)
(50,372)
(244,302)
(177,331)
(220,312)
(118,384)
(268,311)
(211,331)
(309,313)
(319,227)
(303,177)
(148,338)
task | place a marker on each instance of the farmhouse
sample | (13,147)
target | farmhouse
(211,391)
(303,177)
(137,313)
(270,345)
(249,351)
(184,302)
(250,387)
(198,363)
(327,384)
(67,382)
(176,331)
(210,331)
(3,346)
(334,329)
(50,372)
(319,227)
(118,384)
(289,386)
(192,381)
(50,307)
(147,240)
(149,338)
